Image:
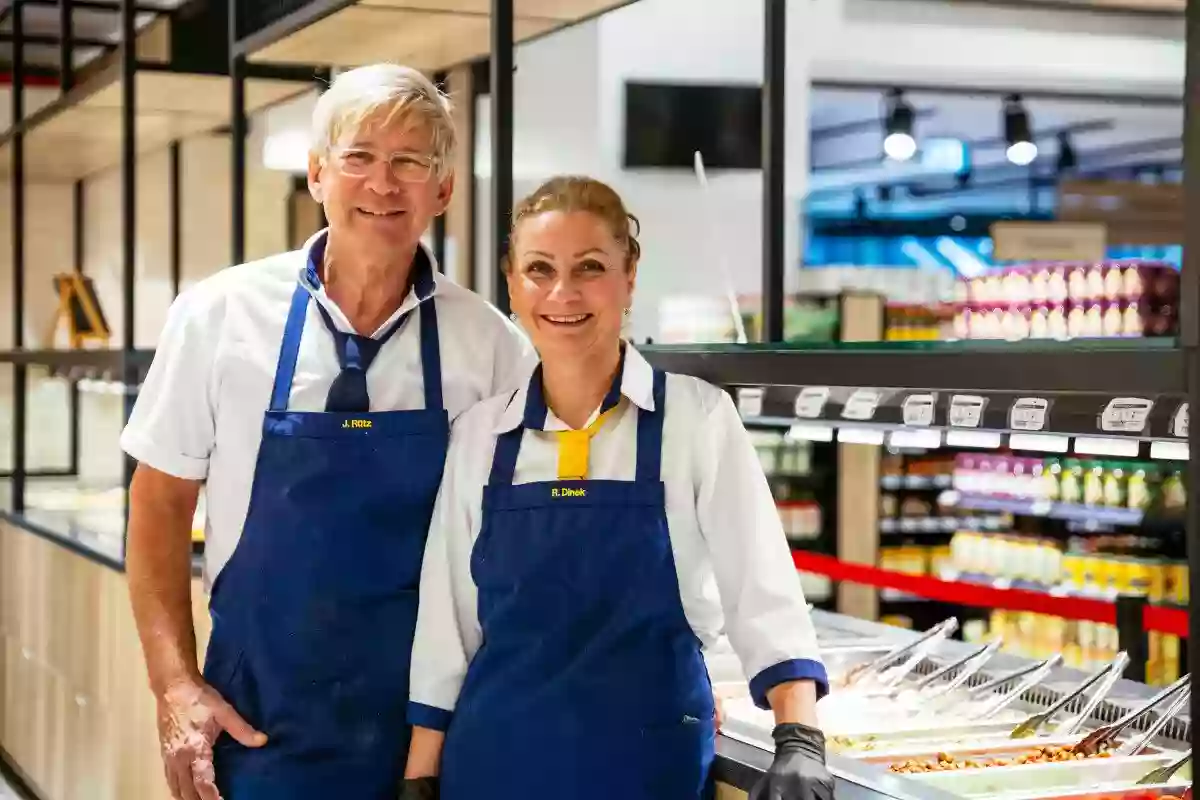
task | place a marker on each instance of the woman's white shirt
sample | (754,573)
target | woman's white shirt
(736,576)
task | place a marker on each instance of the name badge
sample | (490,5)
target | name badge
(561,493)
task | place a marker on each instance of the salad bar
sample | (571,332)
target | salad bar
(923,716)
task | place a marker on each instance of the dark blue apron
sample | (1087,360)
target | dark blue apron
(590,682)
(313,616)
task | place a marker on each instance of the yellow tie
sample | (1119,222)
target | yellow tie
(573,449)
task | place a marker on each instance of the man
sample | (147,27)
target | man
(310,395)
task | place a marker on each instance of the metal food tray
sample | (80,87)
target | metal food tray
(967,747)
(1008,749)
(1166,791)
(920,735)
(1040,780)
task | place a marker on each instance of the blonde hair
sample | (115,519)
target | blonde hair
(580,193)
(402,92)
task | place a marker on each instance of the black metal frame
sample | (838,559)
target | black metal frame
(774,214)
(20,371)
(501,94)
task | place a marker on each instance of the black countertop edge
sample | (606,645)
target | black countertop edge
(15,777)
(62,539)
(738,764)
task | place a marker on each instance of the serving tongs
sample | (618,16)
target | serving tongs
(919,646)
(1095,741)
(976,663)
(1164,774)
(1135,746)
(1109,675)
(1032,678)
(942,672)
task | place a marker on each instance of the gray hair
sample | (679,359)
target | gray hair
(402,92)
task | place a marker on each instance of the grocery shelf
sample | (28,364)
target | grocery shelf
(1070,512)
(107,363)
(427,34)
(1112,367)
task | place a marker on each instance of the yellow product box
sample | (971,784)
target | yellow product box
(1075,571)
(1158,581)
(1093,575)
(1169,659)
(940,560)
(1179,591)
(1136,577)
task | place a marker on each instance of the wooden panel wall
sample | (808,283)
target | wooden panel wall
(76,713)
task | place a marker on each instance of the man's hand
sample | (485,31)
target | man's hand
(798,771)
(191,715)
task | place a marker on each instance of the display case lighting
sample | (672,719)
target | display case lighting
(1169,451)
(1041,442)
(860,436)
(804,432)
(1105,446)
(922,439)
(979,440)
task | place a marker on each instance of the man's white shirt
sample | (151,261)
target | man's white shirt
(199,412)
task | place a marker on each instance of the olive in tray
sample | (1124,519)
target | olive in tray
(944,762)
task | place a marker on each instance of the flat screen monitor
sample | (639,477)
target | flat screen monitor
(665,124)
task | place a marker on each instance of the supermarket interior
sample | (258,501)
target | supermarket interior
(934,249)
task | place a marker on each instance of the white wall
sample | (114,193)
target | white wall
(205,247)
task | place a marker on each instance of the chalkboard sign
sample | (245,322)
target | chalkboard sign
(79,303)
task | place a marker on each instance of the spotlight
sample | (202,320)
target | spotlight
(898,142)
(1021,148)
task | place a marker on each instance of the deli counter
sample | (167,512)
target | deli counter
(921,716)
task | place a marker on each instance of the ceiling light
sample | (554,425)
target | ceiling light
(1017,135)
(898,142)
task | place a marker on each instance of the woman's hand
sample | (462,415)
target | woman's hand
(798,771)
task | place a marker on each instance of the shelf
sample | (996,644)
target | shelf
(80,134)
(915,482)
(76,364)
(942,524)
(427,34)
(1070,512)
(1100,366)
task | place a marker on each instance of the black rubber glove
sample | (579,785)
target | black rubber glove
(419,789)
(798,771)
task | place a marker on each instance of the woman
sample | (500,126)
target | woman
(566,592)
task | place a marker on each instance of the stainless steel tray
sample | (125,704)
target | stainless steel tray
(1044,779)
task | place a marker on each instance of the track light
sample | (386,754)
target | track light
(1021,148)
(1067,160)
(898,142)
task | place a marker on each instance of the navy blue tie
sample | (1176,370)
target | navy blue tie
(348,394)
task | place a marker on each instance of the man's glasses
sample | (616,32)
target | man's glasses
(358,162)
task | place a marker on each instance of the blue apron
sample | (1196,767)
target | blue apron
(590,682)
(313,616)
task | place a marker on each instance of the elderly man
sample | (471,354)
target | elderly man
(310,394)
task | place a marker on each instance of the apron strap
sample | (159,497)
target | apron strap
(431,355)
(508,447)
(285,369)
(650,433)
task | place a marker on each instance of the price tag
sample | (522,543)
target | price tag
(810,403)
(750,401)
(918,409)
(1179,422)
(1126,415)
(862,404)
(966,410)
(1028,414)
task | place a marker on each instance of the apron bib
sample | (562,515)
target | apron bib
(586,654)
(313,615)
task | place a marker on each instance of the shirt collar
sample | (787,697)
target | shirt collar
(425,266)
(637,385)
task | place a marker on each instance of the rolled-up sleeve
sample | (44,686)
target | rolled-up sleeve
(766,615)
(172,427)
(448,632)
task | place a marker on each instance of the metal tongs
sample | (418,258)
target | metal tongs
(1135,746)
(1164,774)
(919,646)
(1032,678)
(1095,741)
(976,663)
(1109,674)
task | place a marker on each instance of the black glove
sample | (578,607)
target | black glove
(798,771)
(419,789)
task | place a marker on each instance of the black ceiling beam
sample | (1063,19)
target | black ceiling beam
(1088,126)
(861,126)
(1118,98)
(96,5)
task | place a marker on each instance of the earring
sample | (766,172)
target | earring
(627,313)
(513,316)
